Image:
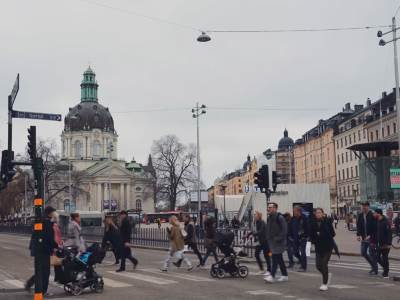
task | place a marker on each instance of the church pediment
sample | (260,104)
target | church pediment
(108,169)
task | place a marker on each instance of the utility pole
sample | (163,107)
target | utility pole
(196,113)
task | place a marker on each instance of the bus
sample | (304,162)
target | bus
(89,219)
(164,216)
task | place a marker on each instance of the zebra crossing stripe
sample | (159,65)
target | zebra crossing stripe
(115,284)
(180,276)
(142,277)
(342,286)
(263,292)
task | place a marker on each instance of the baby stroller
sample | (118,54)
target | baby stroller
(78,271)
(229,264)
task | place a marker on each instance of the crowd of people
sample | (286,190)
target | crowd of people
(281,233)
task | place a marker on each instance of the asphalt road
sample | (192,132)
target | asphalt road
(350,280)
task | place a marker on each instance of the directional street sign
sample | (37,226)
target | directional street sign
(35,115)
(15,90)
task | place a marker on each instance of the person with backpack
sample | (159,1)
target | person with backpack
(261,243)
(322,234)
(177,244)
(299,234)
(190,241)
(276,230)
(383,239)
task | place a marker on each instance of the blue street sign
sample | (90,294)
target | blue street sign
(35,115)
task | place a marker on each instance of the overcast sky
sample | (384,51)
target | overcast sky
(142,64)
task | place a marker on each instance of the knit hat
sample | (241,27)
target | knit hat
(379,211)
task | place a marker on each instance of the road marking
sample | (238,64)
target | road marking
(362,265)
(263,292)
(180,276)
(307,274)
(15,283)
(289,296)
(146,278)
(342,286)
(115,284)
(8,248)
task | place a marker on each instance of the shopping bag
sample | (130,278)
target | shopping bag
(55,260)
(308,249)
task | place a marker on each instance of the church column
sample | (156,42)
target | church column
(99,197)
(128,196)
(121,197)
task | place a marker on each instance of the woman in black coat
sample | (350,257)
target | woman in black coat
(111,236)
(209,239)
(322,234)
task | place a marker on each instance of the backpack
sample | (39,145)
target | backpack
(278,220)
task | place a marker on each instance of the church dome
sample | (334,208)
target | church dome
(89,114)
(286,142)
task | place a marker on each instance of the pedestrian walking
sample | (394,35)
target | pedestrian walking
(177,244)
(383,238)
(47,247)
(299,233)
(261,244)
(209,240)
(322,234)
(289,243)
(366,226)
(74,234)
(335,220)
(58,272)
(125,231)
(276,236)
(190,241)
(112,237)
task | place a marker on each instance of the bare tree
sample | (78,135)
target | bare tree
(174,163)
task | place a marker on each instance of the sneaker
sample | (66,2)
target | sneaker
(27,287)
(267,273)
(164,270)
(120,270)
(48,294)
(323,287)
(329,279)
(178,265)
(283,279)
(269,279)
(385,276)
(290,266)
(373,272)
(134,266)
(190,268)
(261,272)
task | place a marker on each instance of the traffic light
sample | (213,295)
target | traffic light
(7,169)
(261,178)
(276,179)
(32,142)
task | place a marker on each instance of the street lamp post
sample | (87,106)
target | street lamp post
(396,70)
(196,113)
(223,188)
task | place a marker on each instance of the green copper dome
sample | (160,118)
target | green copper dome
(89,86)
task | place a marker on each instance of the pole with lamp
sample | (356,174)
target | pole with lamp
(223,189)
(110,150)
(196,113)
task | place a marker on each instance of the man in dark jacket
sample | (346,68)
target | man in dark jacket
(190,240)
(47,248)
(276,237)
(125,232)
(383,238)
(299,233)
(366,226)
(260,240)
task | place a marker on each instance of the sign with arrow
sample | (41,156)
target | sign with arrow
(35,115)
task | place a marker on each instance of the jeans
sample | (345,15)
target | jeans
(264,249)
(383,259)
(208,253)
(322,260)
(195,251)
(277,259)
(45,274)
(126,253)
(300,252)
(179,254)
(369,254)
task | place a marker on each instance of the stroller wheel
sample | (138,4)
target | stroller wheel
(220,273)
(76,290)
(213,272)
(67,289)
(243,271)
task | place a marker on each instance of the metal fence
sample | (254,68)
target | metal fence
(143,237)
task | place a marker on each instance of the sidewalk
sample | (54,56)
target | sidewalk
(348,244)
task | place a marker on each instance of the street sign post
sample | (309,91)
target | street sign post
(36,116)
(15,90)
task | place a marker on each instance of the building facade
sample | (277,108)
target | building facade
(285,160)
(90,150)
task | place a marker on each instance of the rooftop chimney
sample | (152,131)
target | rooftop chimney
(384,94)
(368,102)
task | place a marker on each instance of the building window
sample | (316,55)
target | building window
(345,140)
(347,156)
(394,127)
(338,159)
(351,156)
(388,130)
(356,167)
(342,158)
(364,133)
(383,132)
(96,148)
(338,175)
(351,172)
(377,134)
(341,142)
(348,191)
(371,137)
(138,204)
(347,173)
(349,139)
(343,175)
(359,135)
(354,137)
(78,149)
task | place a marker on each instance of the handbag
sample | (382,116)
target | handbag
(55,260)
